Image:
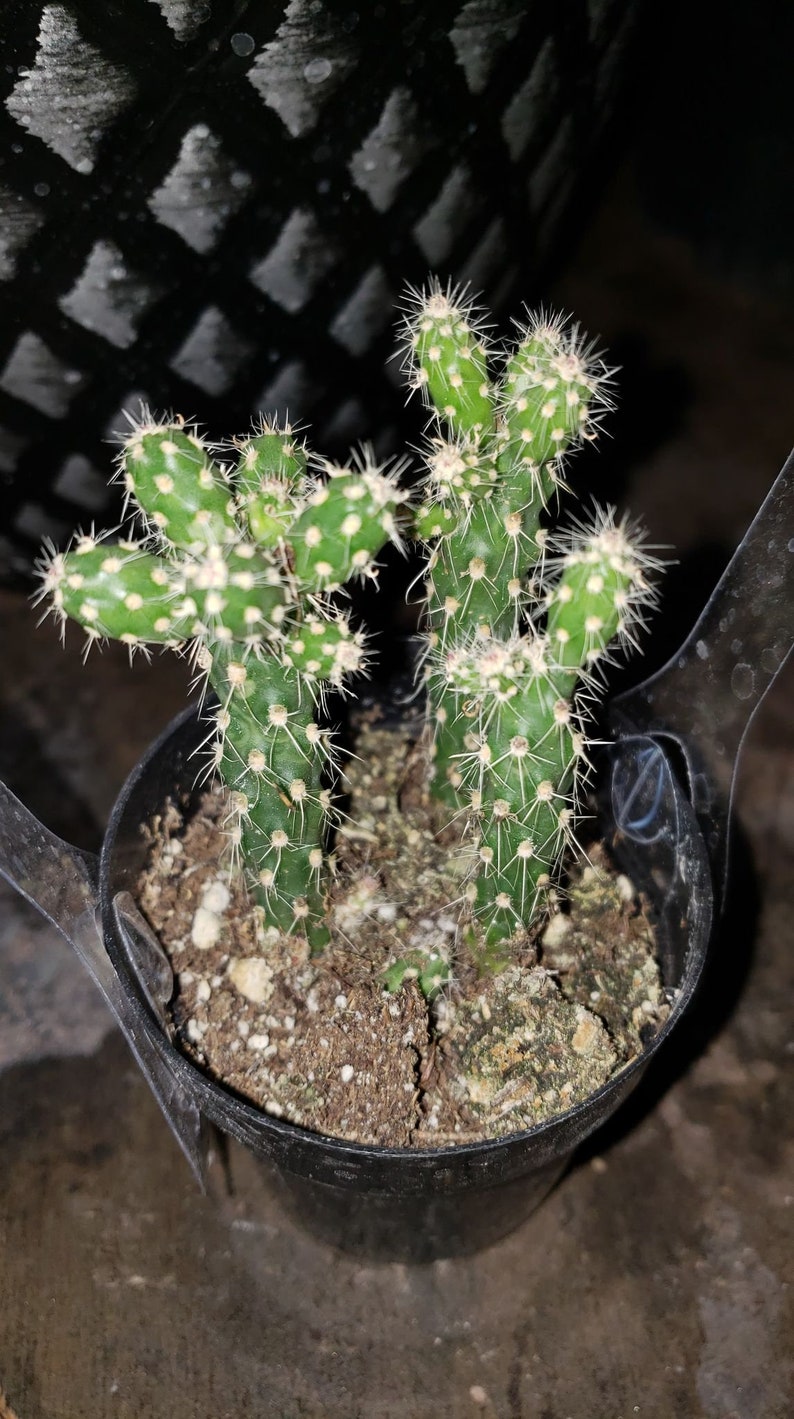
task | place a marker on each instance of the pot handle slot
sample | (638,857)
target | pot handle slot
(705,697)
(61,881)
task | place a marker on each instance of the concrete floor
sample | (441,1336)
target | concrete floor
(656,1280)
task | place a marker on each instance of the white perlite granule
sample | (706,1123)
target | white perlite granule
(253,977)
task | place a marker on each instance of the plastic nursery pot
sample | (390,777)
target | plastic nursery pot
(410,1203)
(417,1204)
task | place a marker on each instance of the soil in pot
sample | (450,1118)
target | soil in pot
(321,1043)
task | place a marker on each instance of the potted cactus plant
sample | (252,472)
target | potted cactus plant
(239,556)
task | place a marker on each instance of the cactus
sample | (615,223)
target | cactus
(526,748)
(491,472)
(239,565)
(240,554)
(505,643)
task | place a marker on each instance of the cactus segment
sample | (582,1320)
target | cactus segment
(324,648)
(181,492)
(509,704)
(601,590)
(273,452)
(233,594)
(117,590)
(474,586)
(552,393)
(431,520)
(268,479)
(347,520)
(475,572)
(516,772)
(448,361)
(271,754)
(431,971)
(462,473)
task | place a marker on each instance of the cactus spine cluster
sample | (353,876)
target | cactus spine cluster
(240,565)
(515,621)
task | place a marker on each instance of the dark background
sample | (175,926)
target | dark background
(658,116)
(657,1279)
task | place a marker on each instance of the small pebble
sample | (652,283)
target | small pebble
(253,977)
(625,888)
(587,1036)
(347,1072)
(258,1041)
(206,929)
(216,897)
(557,930)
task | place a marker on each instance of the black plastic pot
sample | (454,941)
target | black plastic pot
(404,1202)
(422,1204)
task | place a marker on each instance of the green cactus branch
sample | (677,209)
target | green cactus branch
(514,623)
(487,488)
(268,478)
(521,723)
(238,566)
(271,752)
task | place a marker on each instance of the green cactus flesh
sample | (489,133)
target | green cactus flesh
(347,521)
(268,479)
(271,754)
(601,587)
(177,486)
(233,593)
(523,746)
(430,969)
(517,770)
(119,591)
(449,363)
(546,393)
(489,484)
